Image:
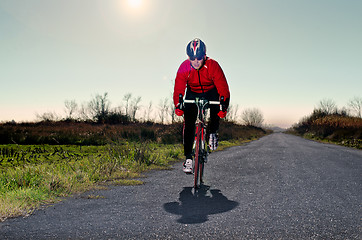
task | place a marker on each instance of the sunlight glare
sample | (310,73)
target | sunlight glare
(135,3)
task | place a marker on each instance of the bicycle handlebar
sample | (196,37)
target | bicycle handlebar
(182,101)
(194,101)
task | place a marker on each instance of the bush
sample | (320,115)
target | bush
(336,127)
(88,133)
(231,131)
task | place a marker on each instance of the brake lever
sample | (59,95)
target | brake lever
(181,102)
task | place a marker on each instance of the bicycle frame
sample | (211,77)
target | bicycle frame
(200,146)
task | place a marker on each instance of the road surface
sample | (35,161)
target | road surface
(278,187)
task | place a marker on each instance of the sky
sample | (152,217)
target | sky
(279,56)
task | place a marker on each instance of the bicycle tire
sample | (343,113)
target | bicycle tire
(202,154)
(197,155)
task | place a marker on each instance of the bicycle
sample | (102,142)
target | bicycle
(200,148)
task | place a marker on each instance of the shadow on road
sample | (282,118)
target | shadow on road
(196,207)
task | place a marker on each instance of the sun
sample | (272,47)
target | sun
(136,10)
(134,3)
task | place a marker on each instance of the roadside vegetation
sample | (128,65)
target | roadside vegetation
(327,123)
(34,175)
(44,161)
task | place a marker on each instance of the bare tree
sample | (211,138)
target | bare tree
(147,112)
(163,106)
(99,107)
(252,117)
(355,105)
(127,97)
(83,111)
(232,113)
(327,106)
(48,116)
(134,107)
(70,108)
(171,111)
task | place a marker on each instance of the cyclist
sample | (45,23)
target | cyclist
(200,76)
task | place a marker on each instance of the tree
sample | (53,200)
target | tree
(252,117)
(163,106)
(171,111)
(232,114)
(84,112)
(127,97)
(99,107)
(70,108)
(148,112)
(134,107)
(48,117)
(355,105)
(327,106)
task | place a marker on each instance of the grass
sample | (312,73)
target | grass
(50,174)
(22,202)
(40,174)
(127,182)
(26,186)
(231,143)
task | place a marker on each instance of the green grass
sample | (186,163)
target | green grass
(127,182)
(31,176)
(35,175)
(231,143)
(96,155)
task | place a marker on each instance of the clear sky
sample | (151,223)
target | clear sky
(281,56)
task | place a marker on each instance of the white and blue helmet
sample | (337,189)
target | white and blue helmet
(196,49)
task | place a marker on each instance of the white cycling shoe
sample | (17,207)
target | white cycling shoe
(187,166)
(213,141)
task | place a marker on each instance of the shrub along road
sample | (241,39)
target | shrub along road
(278,187)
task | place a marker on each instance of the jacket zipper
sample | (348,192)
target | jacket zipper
(202,89)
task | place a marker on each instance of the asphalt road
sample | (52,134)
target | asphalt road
(278,187)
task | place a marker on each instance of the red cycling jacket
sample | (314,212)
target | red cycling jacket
(209,76)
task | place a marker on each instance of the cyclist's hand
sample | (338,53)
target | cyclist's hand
(222,114)
(224,103)
(179,112)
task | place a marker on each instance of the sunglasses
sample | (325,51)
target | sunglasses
(198,58)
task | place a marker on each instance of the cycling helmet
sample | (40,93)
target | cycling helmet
(196,49)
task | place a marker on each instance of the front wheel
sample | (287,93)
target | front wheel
(202,156)
(199,163)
